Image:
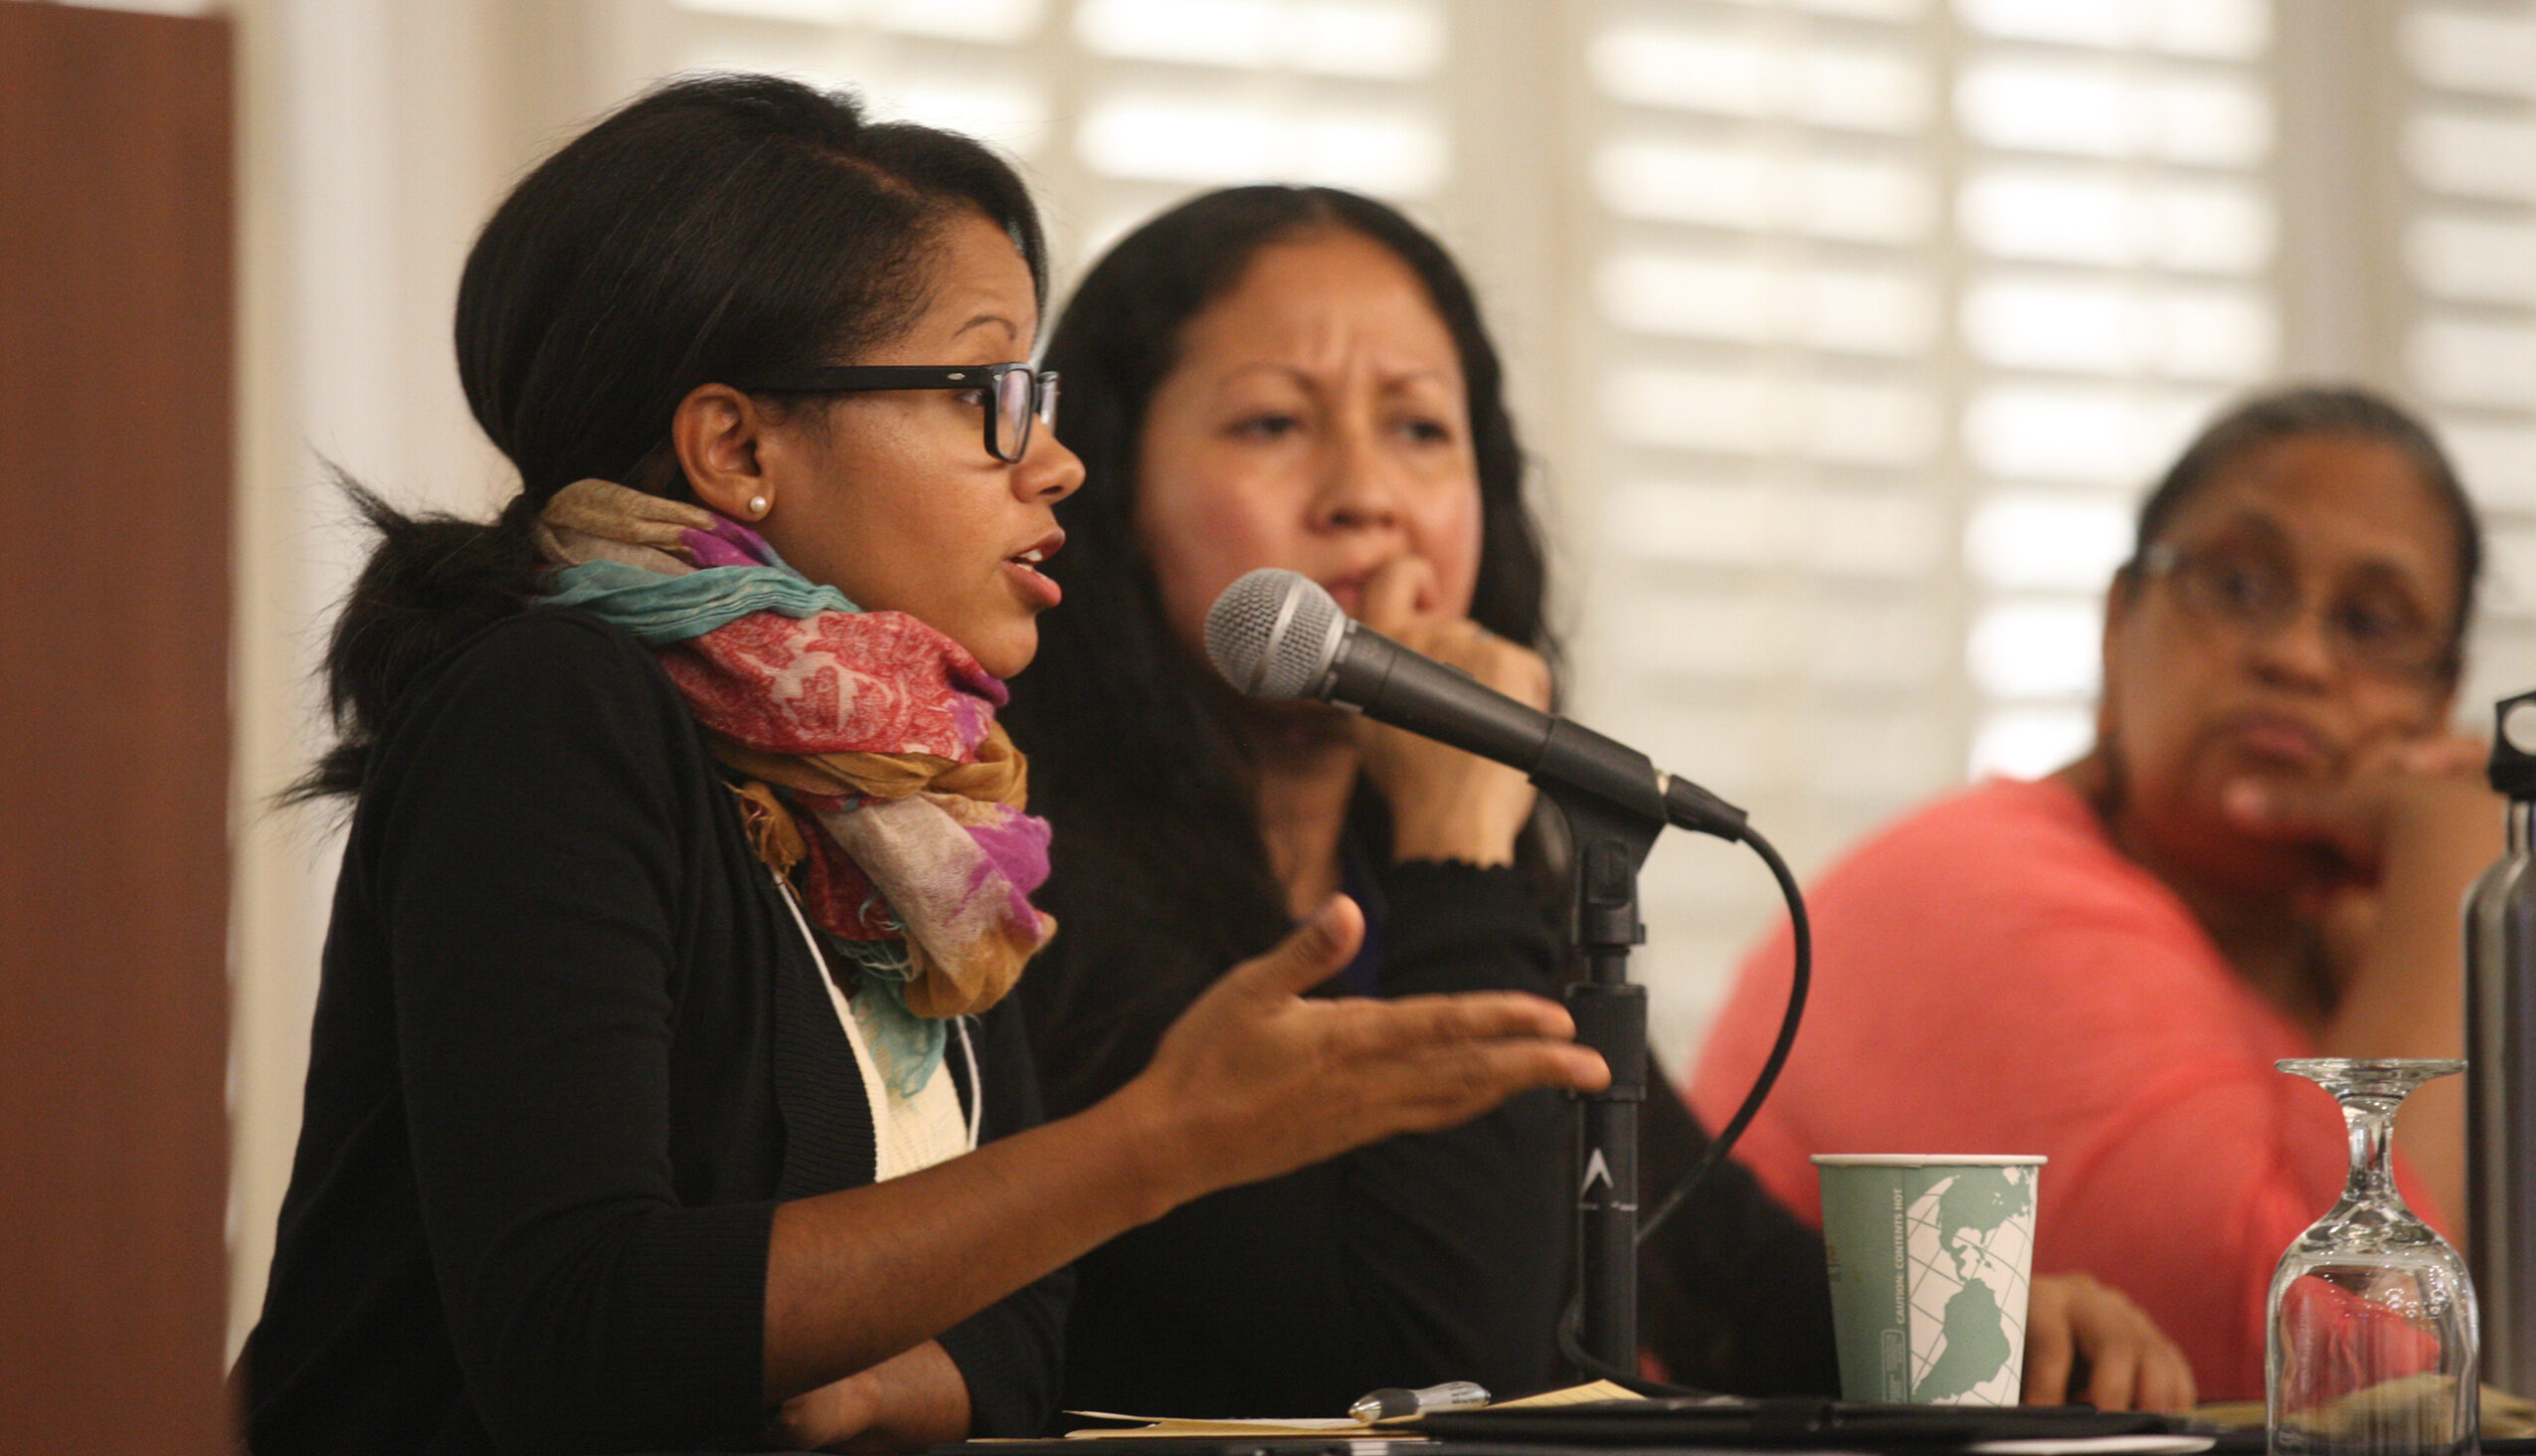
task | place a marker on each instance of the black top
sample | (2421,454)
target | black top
(569,1052)
(1733,1292)
(1436,1256)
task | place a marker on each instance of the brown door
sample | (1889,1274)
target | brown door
(114,487)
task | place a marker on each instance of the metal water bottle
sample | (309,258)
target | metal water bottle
(2500,1071)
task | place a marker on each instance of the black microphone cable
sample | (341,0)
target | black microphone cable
(1800,981)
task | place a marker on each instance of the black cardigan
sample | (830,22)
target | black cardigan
(1440,1255)
(569,1052)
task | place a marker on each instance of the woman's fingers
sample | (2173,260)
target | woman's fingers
(2389,789)
(1400,601)
(1433,1061)
(1446,804)
(2049,1347)
(1419,1082)
(2166,1383)
(1398,592)
(1458,641)
(1442,1087)
(1381,1027)
(2348,817)
(1311,953)
(2130,1362)
(2146,1372)
(2445,752)
(1255,1080)
(2113,1377)
(1443,1051)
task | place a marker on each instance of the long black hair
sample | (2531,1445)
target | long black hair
(1160,877)
(714,228)
(2307,410)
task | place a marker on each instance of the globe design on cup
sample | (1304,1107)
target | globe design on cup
(1970,1243)
(1931,1257)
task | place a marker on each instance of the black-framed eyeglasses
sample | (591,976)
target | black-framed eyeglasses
(1014,395)
(2370,625)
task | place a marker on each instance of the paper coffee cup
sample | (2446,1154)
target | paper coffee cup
(1931,1257)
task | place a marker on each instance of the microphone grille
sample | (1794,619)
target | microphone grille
(1273,634)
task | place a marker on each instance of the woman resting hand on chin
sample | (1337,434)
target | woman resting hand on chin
(1446,805)
(663,1092)
(2263,856)
(1299,378)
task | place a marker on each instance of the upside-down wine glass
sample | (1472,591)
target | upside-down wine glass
(2372,1342)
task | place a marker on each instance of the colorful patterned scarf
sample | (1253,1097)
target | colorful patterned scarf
(873,758)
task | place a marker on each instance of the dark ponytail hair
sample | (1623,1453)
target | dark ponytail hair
(1158,862)
(715,228)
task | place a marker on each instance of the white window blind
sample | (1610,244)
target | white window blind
(2468,246)
(1117,108)
(1771,609)
(2118,236)
(1851,330)
(1901,305)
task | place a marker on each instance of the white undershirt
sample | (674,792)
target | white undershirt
(908,1133)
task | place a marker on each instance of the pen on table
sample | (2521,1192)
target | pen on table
(1385,1404)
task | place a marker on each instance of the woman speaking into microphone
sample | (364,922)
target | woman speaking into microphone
(664,1090)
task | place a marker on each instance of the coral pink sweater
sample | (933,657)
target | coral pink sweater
(1992,975)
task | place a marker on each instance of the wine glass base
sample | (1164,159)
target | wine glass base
(2283,1445)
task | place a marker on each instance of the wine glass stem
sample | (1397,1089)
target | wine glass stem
(2371,1122)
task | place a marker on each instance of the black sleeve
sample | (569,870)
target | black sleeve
(1733,1291)
(1012,1351)
(525,863)
(1424,1258)
(1470,1222)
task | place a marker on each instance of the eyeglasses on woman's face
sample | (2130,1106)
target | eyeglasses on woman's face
(2250,585)
(1012,395)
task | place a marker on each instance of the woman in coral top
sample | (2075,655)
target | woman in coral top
(2263,856)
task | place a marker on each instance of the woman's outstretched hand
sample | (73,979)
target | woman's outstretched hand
(1254,1080)
(2129,1364)
(1446,804)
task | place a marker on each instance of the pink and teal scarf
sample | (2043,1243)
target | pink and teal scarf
(872,758)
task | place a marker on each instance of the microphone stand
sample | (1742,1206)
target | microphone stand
(1275,634)
(1609,842)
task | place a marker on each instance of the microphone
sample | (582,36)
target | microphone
(1277,636)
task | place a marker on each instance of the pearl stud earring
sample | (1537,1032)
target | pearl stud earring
(756,505)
